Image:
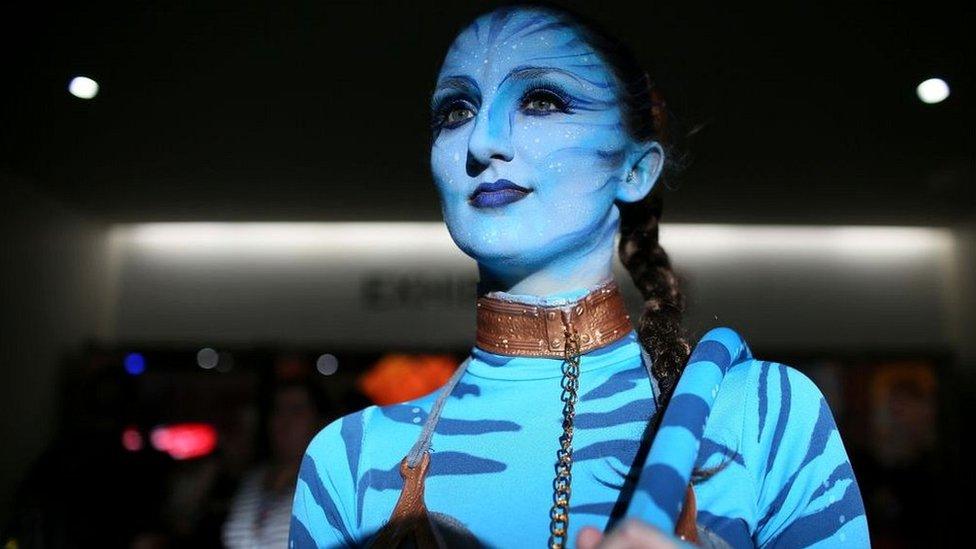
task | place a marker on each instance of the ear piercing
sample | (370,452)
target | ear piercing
(630,175)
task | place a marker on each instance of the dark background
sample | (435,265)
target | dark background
(311,110)
(798,114)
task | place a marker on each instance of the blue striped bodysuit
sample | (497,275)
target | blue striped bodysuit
(785,478)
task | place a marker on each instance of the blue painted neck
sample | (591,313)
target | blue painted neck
(558,298)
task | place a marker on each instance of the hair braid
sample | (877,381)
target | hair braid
(659,328)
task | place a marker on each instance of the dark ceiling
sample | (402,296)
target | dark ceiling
(317,110)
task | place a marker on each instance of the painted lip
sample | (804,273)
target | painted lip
(497,193)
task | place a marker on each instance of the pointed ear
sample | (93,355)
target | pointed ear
(646,162)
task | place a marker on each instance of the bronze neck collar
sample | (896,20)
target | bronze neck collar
(522,329)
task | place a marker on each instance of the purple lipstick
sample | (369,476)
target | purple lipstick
(497,193)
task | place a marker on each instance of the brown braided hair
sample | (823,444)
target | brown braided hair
(659,328)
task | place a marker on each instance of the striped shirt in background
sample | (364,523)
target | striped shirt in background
(258,518)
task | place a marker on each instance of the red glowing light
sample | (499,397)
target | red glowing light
(132,439)
(185,440)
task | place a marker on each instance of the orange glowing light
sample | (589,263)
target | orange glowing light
(398,377)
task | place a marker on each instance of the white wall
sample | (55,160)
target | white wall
(809,287)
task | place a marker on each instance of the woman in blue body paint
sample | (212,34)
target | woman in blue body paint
(547,140)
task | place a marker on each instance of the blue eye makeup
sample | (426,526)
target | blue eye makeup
(448,112)
(542,98)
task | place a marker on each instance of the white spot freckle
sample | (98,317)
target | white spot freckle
(416,420)
(842,518)
(416,410)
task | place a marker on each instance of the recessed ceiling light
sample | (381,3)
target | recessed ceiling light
(83,87)
(933,90)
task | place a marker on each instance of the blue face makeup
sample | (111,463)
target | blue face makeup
(530,151)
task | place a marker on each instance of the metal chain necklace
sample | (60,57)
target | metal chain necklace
(559,514)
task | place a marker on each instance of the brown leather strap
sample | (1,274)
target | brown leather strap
(520,329)
(410,517)
(687,527)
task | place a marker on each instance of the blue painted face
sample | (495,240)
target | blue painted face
(524,104)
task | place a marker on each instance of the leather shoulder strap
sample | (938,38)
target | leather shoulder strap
(687,528)
(410,519)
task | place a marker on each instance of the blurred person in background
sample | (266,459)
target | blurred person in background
(261,509)
(903,463)
(200,491)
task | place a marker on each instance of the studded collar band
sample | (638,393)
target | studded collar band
(522,329)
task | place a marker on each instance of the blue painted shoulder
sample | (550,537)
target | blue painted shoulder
(806,490)
(323,512)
